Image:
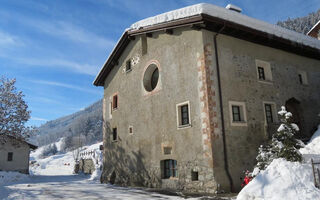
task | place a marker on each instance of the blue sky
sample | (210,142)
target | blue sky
(55,48)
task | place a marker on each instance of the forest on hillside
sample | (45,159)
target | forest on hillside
(301,24)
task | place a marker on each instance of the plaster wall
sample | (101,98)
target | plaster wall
(20,159)
(239,82)
(134,159)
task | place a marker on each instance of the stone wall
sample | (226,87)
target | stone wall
(86,166)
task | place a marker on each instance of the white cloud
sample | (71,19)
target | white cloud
(64,85)
(70,65)
(68,31)
(7,39)
(38,119)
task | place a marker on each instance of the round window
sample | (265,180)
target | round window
(151,77)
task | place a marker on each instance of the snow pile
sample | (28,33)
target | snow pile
(227,15)
(312,149)
(286,180)
(11,177)
(282,180)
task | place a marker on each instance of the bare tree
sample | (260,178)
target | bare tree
(14,111)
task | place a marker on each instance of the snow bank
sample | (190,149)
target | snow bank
(282,180)
(228,15)
(286,180)
(11,177)
(312,149)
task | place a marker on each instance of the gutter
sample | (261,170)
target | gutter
(226,164)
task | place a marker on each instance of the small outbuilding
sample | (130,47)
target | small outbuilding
(14,154)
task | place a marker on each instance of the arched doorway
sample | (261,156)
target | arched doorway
(294,106)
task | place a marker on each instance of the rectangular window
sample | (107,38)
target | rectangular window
(268,111)
(167,150)
(261,73)
(130,130)
(169,169)
(183,114)
(194,175)
(114,134)
(236,114)
(128,66)
(264,73)
(10,156)
(115,102)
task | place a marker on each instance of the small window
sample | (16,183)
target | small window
(128,66)
(169,168)
(151,77)
(167,150)
(194,175)
(115,102)
(263,71)
(114,134)
(268,111)
(130,129)
(183,114)
(10,156)
(303,80)
(238,113)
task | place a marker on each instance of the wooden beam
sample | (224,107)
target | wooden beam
(131,37)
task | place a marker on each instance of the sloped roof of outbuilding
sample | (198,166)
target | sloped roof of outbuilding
(213,18)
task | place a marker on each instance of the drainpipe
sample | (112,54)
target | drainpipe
(226,165)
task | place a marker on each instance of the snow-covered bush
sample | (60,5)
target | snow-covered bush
(283,143)
(49,150)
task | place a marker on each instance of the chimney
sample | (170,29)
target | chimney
(233,8)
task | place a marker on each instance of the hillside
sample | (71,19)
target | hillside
(87,123)
(301,24)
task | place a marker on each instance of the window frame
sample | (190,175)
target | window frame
(243,113)
(261,74)
(170,169)
(179,106)
(115,107)
(128,63)
(10,157)
(267,71)
(273,110)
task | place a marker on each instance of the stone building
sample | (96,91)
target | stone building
(189,95)
(14,154)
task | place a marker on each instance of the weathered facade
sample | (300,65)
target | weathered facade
(187,103)
(14,154)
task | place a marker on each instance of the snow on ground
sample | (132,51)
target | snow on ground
(51,179)
(286,180)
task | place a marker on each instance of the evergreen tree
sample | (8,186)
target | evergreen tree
(283,143)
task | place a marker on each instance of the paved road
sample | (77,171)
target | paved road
(75,187)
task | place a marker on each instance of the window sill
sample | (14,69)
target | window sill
(171,178)
(114,141)
(266,82)
(184,126)
(127,71)
(239,123)
(114,109)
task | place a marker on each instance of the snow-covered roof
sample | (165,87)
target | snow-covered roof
(228,15)
(307,46)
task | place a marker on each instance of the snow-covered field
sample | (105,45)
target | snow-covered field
(286,180)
